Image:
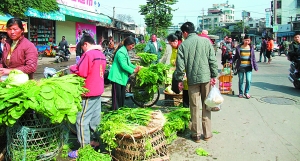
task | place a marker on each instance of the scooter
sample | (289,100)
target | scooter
(294,75)
(62,55)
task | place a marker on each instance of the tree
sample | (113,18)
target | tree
(219,31)
(19,7)
(158,14)
(124,18)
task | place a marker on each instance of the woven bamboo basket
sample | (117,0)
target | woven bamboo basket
(172,99)
(136,146)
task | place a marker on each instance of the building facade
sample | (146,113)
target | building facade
(217,16)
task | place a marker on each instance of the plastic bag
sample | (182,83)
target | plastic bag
(214,97)
(49,72)
(214,109)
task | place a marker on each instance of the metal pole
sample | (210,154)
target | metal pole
(154,15)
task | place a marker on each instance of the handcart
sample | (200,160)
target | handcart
(225,80)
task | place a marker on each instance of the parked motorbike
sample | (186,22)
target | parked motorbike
(294,75)
(62,55)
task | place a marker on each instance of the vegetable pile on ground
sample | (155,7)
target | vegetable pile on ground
(147,58)
(88,153)
(149,79)
(56,98)
(177,121)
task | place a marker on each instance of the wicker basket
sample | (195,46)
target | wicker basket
(147,143)
(172,99)
(33,137)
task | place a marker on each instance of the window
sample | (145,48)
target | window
(251,25)
(278,4)
(215,19)
(298,4)
(278,19)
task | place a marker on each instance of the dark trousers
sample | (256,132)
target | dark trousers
(185,98)
(118,95)
(268,54)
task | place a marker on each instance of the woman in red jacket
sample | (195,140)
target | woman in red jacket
(18,53)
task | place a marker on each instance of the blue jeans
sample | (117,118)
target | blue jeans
(241,81)
(262,54)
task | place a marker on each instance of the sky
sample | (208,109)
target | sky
(187,10)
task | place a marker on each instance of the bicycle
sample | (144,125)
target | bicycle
(138,94)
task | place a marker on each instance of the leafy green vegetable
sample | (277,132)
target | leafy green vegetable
(147,58)
(16,78)
(201,152)
(87,153)
(216,132)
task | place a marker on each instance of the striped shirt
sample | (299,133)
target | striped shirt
(245,57)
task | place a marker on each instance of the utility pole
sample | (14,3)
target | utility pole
(113,23)
(243,16)
(291,23)
(154,16)
(202,18)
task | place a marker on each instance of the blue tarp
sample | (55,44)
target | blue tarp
(51,15)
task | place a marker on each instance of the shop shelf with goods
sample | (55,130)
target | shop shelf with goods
(42,31)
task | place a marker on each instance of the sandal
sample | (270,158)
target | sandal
(247,96)
(214,109)
(73,154)
(240,96)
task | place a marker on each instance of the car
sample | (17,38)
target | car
(276,47)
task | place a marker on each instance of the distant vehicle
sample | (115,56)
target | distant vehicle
(276,47)
(257,47)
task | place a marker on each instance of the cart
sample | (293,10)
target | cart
(225,81)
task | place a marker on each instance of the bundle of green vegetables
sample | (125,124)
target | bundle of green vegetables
(56,98)
(88,153)
(147,58)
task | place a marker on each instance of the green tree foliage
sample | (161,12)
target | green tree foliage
(219,30)
(158,14)
(19,7)
(239,27)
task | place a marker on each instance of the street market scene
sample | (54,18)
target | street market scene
(155,80)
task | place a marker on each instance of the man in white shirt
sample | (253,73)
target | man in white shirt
(2,42)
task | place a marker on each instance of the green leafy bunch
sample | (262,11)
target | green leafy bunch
(147,58)
(56,98)
(177,120)
(201,152)
(139,48)
(88,153)
(19,7)
(122,121)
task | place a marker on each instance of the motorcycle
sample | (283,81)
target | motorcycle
(62,55)
(294,75)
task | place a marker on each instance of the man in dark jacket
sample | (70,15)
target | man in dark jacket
(196,56)
(2,42)
(263,49)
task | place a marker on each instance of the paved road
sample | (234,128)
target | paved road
(263,128)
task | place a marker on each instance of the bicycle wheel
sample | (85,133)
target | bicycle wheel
(142,98)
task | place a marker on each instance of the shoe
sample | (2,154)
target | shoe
(196,139)
(247,95)
(73,154)
(258,62)
(207,139)
(240,96)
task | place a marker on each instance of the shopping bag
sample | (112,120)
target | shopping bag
(214,97)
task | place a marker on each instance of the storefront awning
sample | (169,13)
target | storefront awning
(51,15)
(4,18)
(84,14)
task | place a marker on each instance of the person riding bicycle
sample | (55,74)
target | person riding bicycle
(227,50)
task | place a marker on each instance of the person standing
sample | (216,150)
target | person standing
(18,53)
(196,56)
(246,62)
(91,66)
(270,47)
(204,33)
(263,49)
(227,49)
(120,70)
(154,47)
(2,42)
(294,49)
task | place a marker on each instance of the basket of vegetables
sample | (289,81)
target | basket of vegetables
(35,111)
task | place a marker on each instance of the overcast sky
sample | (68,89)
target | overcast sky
(188,10)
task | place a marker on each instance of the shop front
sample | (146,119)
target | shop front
(4,18)
(285,31)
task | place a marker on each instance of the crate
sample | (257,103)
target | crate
(172,99)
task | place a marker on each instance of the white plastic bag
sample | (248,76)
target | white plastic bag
(214,97)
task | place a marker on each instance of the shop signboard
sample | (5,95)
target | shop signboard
(88,28)
(268,18)
(87,5)
(3,26)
